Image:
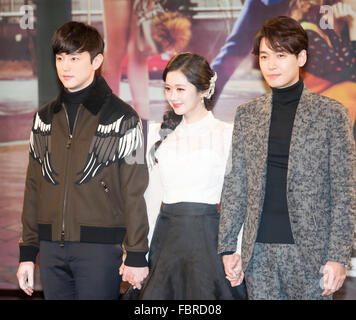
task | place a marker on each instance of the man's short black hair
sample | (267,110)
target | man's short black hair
(77,37)
(282,34)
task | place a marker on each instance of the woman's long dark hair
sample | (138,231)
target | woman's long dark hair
(198,72)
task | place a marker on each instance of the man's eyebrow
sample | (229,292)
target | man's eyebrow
(69,54)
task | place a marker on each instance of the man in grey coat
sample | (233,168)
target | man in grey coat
(292,184)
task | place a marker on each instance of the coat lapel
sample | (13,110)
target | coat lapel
(262,134)
(256,133)
(303,119)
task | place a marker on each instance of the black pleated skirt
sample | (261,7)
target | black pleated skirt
(183,259)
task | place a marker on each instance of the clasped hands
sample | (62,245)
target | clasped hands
(233,269)
(134,275)
(334,273)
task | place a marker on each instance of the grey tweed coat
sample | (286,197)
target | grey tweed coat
(321,180)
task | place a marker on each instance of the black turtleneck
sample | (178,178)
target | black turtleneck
(275,225)
(72,100)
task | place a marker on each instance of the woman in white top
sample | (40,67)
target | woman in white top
(191,159)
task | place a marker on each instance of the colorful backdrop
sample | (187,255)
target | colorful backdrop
(141,36)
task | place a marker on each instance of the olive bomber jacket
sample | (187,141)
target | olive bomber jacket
(88,186)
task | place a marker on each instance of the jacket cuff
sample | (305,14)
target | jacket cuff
(227,253)
(342,260)
(28,253)
(135,259)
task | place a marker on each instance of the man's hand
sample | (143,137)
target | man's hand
(25,275)
(233,269)
(334,276)
(134,275)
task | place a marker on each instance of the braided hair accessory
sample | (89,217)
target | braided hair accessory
(212,86)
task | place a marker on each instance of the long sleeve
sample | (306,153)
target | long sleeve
(29,242)
(234,201)
(154,192)
(343,187)
(134,181)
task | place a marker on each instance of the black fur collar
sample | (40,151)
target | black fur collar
(97,96)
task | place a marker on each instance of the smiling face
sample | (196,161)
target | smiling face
(76,71)
(184,97)
(280,69)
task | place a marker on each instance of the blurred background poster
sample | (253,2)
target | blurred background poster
(140,37)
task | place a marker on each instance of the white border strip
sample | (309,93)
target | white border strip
(352,272)
(14,143)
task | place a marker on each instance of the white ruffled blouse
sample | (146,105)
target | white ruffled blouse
(192,161)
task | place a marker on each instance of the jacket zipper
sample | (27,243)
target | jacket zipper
(68,146)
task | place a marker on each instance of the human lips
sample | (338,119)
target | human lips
(176,105)
(273,76)
(67,77)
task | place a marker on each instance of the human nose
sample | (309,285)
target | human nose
(66,64)
(172,95)
(271,63)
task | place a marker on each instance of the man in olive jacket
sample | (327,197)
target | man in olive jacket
(293,180)
(85,182)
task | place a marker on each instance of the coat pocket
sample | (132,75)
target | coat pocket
(109,197)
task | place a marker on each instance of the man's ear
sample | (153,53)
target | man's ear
(302,58)
(97,61)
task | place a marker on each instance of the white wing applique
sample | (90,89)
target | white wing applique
(40,147)
(111,143)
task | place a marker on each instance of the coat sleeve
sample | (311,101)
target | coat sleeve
(154,192)
(343,186)
(134,181)
(234,199)
(29,241)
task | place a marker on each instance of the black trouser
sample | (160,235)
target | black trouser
(80,270)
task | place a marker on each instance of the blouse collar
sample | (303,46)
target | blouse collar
(198,124)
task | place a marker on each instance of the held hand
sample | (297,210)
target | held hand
(25,275)
(334,277)
(237,280)
(233,268)
(121,270)
(134,275)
